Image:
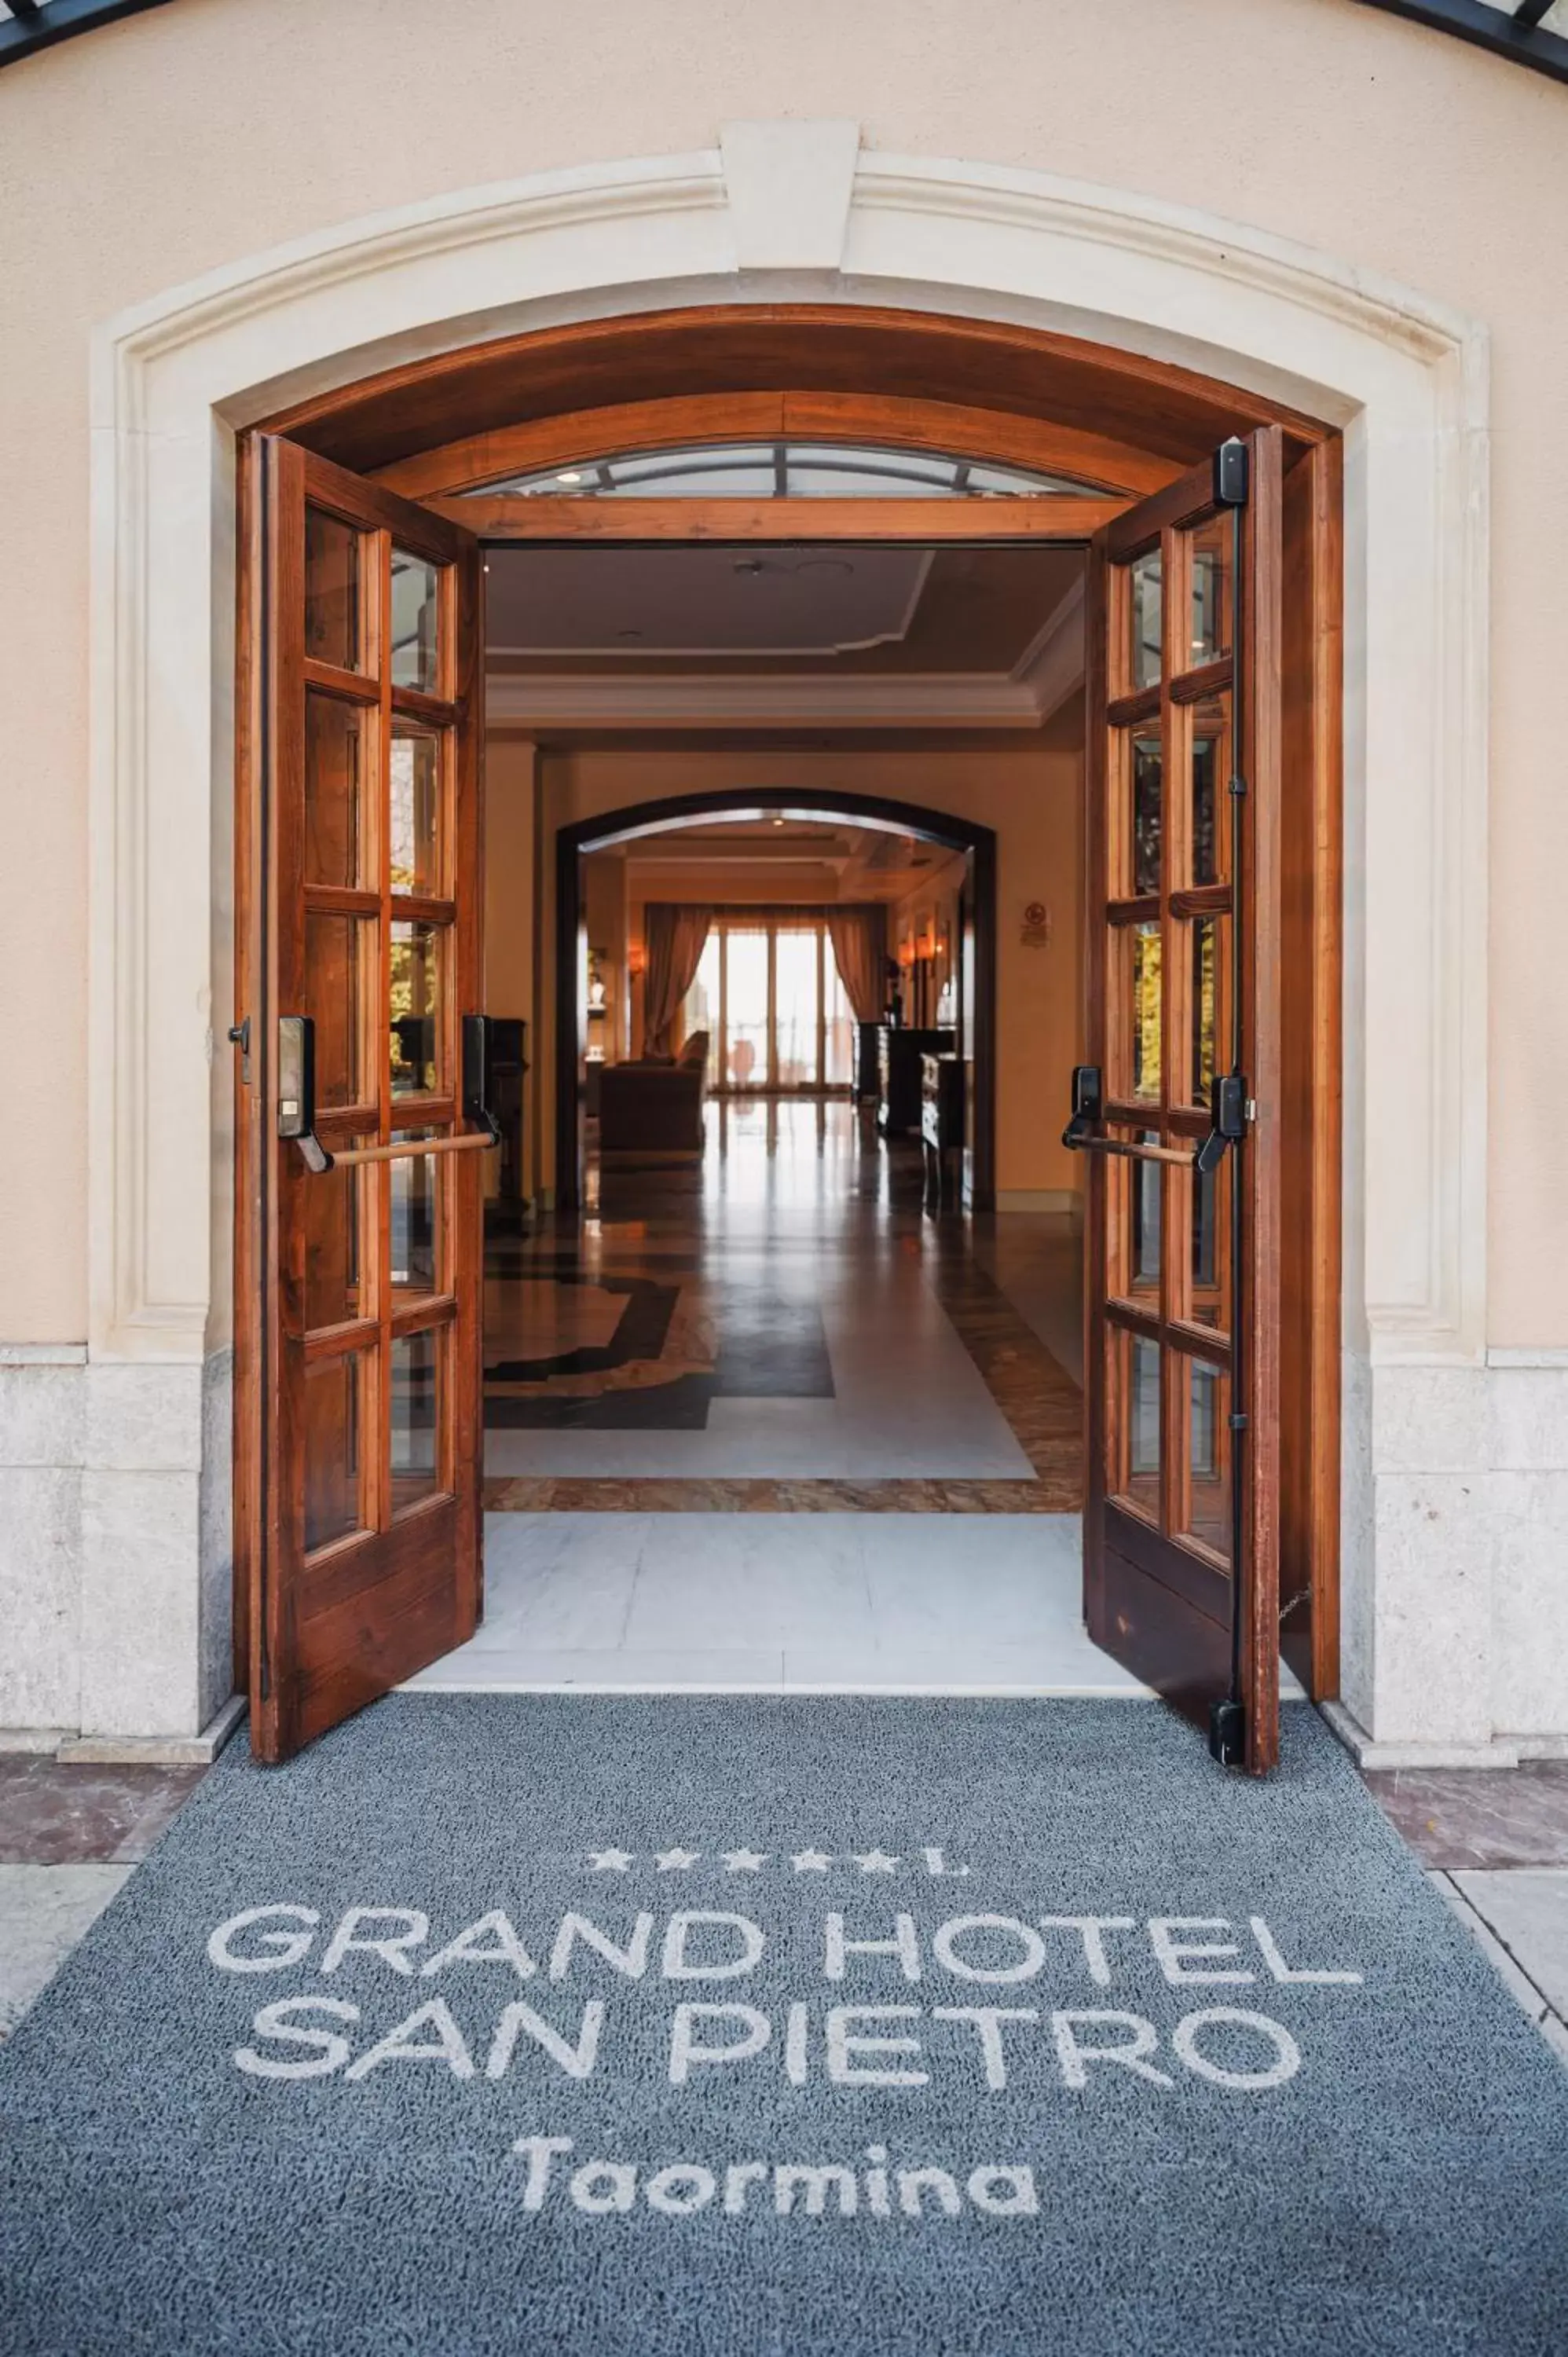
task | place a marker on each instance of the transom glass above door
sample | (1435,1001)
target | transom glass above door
(784,470)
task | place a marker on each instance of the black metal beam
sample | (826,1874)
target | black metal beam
(1531,12)
(31,27)
(1514,38)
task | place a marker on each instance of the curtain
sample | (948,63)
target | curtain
(676,936)
(859,937)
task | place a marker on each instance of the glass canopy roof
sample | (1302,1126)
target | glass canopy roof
(783,470)
(1530,32)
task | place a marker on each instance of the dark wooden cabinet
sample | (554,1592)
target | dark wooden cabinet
(898,1065)
(941,1125)
(867,1062)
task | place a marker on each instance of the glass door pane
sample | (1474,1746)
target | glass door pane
(797,1001)
(746,1000)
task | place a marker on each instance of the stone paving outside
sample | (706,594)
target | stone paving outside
(1494,1841)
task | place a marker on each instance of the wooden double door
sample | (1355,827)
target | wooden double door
(362,1121)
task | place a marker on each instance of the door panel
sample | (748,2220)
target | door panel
(358,1365)
(1181,1574)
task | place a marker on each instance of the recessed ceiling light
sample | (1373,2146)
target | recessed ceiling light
(778,822)
(825,564)
(571,475)
(628,634)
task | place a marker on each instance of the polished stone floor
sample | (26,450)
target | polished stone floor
(782,1330)
(768,1426)
(761,1602)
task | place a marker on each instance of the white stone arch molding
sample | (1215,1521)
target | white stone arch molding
(781,211)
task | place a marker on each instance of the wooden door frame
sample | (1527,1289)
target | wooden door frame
(942,827)
(1023,396)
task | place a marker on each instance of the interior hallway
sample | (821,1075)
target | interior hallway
(763,1424)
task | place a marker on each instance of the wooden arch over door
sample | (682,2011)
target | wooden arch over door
(953,832)
(1014,394)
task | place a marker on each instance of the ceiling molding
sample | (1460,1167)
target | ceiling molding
(962,699)
(1051,666)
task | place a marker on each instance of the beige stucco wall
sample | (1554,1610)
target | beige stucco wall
(137,157)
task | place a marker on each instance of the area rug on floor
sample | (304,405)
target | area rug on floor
(764,2027)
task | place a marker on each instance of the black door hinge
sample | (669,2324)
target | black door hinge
(239,1037)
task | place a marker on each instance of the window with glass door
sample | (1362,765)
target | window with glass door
(768,995)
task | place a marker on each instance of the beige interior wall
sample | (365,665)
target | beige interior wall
(171,143)
(927,915)
(1029,792)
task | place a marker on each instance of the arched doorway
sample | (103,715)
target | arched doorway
(949,829)
(438,430)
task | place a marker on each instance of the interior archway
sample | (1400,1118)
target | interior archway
(947,828)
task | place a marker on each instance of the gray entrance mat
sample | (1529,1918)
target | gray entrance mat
(780,2028)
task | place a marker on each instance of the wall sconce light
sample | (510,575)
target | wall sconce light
(637,960)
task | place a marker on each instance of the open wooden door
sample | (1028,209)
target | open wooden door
(361,1102)
(1179,1108)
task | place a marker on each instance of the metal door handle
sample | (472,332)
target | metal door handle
(1133,1152)
(296,1102)
(1229,1114)
(470,1142)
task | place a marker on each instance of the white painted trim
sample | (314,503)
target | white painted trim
(1405,377)
(1051,666)
(1539,1355)
(43,1355)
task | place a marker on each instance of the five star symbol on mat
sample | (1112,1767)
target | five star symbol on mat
(875,1861)
(744,1861)
(810,1861)
(609,1861)
(676,1861)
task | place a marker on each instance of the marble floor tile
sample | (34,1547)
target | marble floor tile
(54,1814)
(1058,1662)
(1479,1817)
(562,1580)
(841,1602)
(712,1580)
(612,1670)
(1036,1261)
(1018,1576)
(44,1912)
